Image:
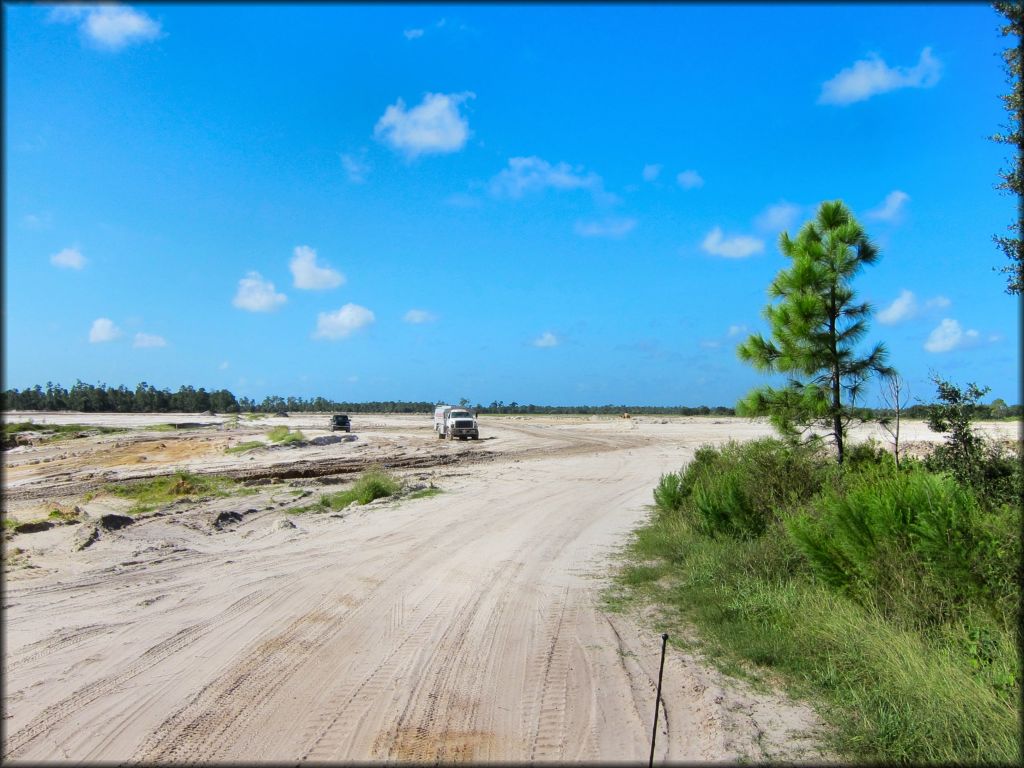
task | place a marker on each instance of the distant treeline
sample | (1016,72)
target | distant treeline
(145,398)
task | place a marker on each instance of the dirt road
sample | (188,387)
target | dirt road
(463,626)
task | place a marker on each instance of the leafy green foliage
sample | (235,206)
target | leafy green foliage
(1011,180)
(372,484)
(737,489)
(158,491)
(890,597)
(816,325)
(282,434)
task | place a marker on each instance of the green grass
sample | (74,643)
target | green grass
(372,484)
(425,493)
(159,491)
(161,428)
(890,600)
(255,416)
(284,435)
(243,447)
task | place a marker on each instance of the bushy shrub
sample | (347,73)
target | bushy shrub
(916,544)
(738,489)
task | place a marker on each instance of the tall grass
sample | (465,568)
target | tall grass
(371,485)
(283,435)
(159,491)
(888,597)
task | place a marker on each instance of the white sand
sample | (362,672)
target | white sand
(461,627)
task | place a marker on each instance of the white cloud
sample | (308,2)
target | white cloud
(533,174)
(546,339)
(651,171)
(344,322)
(356,168)
(256,294)
(689,180)
(939,302)
(776,218)
(891,208)
(606,228)
(903,308)
(871,76)
(710,344)
(224,366)
(434,126)
(412,34)
(736,330)
(149,340)
(108,25)
(418,316)
(309,275)
(948,335)
(735,247)
(103,329)
(69,258)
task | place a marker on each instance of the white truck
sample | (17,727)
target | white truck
(451,421)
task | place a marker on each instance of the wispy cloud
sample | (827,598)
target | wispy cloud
(412,34)
(690,180)
(257,295)
(733,247)
(419,316)
(224,366)
(533,174)
(309,275)
(109,26)
(775,218)
(463,200)
(342,323)
(651,171)
(356,167)
(148,340)
(37,220)
(736,330)
(434,126)
(949,335)
(891,208)
(607,228)
(871,76)
(906,306)
(546,339)
(103,329)
(902,308)
(69,258)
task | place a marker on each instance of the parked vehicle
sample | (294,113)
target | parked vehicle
(451,421)
(341,421)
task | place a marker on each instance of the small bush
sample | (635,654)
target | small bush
(243,447)
(738,489)
(153,493)
(371,485)
(284,435)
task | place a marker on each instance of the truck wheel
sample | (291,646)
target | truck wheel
(440,435)
(462,437)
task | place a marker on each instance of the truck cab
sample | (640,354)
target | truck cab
(341,421)
(452,421)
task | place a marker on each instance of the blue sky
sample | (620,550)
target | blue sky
(548,204)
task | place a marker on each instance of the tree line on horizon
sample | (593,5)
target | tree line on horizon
(145,398)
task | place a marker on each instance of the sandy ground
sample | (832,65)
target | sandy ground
(461,627)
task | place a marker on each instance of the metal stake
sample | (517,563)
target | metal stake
(657,698)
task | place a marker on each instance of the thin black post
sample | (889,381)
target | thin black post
(657,698)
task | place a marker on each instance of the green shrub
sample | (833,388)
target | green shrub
(738,489)
(372,484)
(916,544)
(282,434)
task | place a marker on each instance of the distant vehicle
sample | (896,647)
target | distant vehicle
(341,421)
(451,421)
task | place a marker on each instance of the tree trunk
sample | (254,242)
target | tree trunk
(837,419)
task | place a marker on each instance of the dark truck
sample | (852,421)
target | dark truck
(341,421)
